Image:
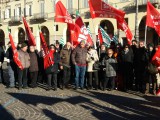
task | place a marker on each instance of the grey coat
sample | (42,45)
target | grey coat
(110,66)
(24,58)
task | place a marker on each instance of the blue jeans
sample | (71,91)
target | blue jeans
(80,74)
(11,76)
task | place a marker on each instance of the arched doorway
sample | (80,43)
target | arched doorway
(108,27)
(152,36)
(45,32)
(2,38)
(21,35)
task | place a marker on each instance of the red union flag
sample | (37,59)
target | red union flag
(45,51)
(15,53)
(31,39)
(98,8)
(100,36)
(121,24)
(153,18)
(61,14)
(82,32)
(156,57)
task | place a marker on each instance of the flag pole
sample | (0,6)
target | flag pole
(145,39)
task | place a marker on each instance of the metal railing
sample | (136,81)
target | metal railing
(40,16)
(16,18)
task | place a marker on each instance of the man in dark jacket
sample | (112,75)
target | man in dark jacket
(1,61)
(79,60)
(65,64)
(127,63)
(33,69)
(12,67)
(140,62)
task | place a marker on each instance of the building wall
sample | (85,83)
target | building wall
(62,27)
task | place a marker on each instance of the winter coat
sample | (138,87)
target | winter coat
(56,61)
(79,56)
(33,62)
(127,57)
(65,55)
(92,57)
(9,55)
(24,58)
(110,66)
(2,54)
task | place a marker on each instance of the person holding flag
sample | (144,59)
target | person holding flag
(25,60)
(12,67)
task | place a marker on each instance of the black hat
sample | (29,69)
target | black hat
(23,45)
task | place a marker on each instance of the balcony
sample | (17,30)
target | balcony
(15,20)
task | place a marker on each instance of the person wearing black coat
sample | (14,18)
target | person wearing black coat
(140,62)
(53,76)
(33,69)
(150,77)
(2,54)
(127,64)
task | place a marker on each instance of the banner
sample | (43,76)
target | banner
(100,9)
(153,18)
(121,24)
(61,13)
(31,39)
(15,53)
(45,51)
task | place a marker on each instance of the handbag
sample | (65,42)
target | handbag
(50,69)
(96,65)
(152,69)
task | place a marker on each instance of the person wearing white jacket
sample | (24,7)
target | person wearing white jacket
(92,57)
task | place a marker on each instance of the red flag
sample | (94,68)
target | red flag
(82,32)
(15,53)
(156,57)
(121,24)
(46,54)
(153,18)
(61,13)
(31,39)
(98,8)
(100,36)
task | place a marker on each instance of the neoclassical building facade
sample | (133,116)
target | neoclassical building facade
(41,13)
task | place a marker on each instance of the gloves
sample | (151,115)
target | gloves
(92,58)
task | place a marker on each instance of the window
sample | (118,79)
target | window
(17,10)
(69,4)
(7,13)
(42,9)
(56,27)
(28,10)
(85,3)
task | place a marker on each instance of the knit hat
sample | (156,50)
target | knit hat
(150,45)
(23,45)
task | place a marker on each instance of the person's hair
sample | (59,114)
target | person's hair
(134,41)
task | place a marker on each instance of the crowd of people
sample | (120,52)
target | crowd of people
(117,67)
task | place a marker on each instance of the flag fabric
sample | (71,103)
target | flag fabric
(156,57)
(100,37)
(82,32)
(121,24)
(15,53)
(98,8)
(153,18)
(62,41)
(45,51)
(89,31)
(31,39)
(106,37)
(61,13)
(115,39)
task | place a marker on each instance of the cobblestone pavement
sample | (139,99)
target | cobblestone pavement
(39,104)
